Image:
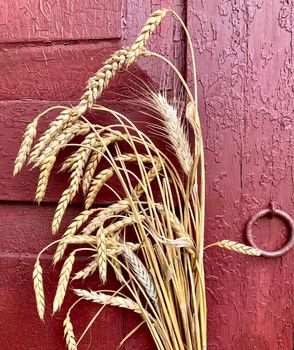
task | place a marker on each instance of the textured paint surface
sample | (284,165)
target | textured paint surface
(49,20)
(244,53)
(245,80)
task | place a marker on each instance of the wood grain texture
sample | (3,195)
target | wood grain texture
(25,21)
(245,79)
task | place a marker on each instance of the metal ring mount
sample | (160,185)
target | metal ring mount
(271,212)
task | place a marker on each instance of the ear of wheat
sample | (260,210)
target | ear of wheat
(155,250)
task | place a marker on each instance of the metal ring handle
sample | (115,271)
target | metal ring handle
(272,212)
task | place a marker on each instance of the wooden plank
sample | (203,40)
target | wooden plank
(58,72)
(25,21)
(248,139)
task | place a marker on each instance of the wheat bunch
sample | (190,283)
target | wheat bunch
(166,283)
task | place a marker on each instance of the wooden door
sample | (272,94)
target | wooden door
(244,54)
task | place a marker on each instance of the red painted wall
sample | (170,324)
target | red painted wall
(244,55)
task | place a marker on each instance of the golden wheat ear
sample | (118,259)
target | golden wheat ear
(151,24)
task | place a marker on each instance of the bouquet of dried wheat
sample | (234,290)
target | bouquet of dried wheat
(154,243)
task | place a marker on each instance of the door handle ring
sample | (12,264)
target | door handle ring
(271,212)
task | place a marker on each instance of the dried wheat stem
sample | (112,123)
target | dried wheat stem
(117,270)
(39,289)
(45,171)
(149,27)
(141,274)
(122,205)
(102,77)
(69,333)
(130,157)
(65,136)
(96,157)
(101,254)
(111,210)
(70,231)
(88,270)
(237,247)
(174,130)
(177,227)
(66,118)
(63,282)
(25,146)
(76,176)
(105,299)
(97,184)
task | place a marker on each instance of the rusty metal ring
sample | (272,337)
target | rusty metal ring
(271,212)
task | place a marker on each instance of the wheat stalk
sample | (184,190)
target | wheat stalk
(141,274)
(96,157)
(69,333)
(39,289)
(88,270)
(101,254)
(61,140)
(130,157)
(102,298)
(174,130)
(178,228)
(97,184)
(70,231)
(104,214)
(66,118)
(117,270)
(100,80)
(63,282)
(76,176)
(238,247)
(25,146)
(151,24)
